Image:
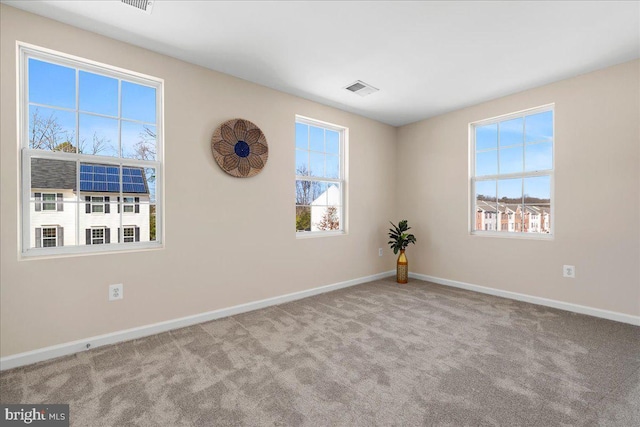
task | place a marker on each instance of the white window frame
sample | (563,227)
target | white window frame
(26,51)
(54,238)
(473,179)
(343,133)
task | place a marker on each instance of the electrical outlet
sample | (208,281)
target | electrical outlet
(379,251)
(116,292)
(569,271)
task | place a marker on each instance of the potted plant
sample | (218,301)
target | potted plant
(400,239)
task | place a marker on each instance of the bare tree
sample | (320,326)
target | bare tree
(46,133)
(98,145)
(145,148)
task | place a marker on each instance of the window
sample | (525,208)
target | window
(512,173)
(131,234)
(98,236)
(97,204)
(128,206)
(91,151)
(49,237)
(320,177)
(48,201)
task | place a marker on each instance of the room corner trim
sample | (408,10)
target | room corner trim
(582,309)
(47,353)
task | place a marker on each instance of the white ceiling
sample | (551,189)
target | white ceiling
(426,58)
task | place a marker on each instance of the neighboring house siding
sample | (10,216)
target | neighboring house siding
(67,217)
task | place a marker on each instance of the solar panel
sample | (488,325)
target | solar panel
(103,178)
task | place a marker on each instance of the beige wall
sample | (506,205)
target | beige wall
(228,240)
(597,196)
(231,241)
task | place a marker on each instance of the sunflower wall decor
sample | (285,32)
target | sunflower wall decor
(240,148)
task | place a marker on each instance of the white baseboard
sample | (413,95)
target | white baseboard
(597,312)
(65,349)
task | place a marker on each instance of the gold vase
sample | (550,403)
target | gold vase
(402,268)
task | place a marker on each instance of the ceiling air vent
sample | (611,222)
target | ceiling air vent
(361,88)
(143,5)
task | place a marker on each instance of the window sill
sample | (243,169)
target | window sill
(314,234)
(84,250)
(503,235)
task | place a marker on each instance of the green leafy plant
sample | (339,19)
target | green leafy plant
(400,239)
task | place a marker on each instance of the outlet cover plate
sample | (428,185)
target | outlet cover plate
(116,292)
(569,271)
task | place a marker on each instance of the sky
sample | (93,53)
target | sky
(513,146)
(317,151)
(52,89)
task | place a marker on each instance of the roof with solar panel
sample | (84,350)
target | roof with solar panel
(94,178)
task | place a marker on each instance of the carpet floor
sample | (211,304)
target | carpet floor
(377,354)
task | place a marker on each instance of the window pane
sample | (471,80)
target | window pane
(325,218)
(98,135)
(148,179)
(334,195)
(138,141)
(332,166)
(332,142)
(138,102)
(325,194)
(487,137)
(487,163)
(511,132)
(485,198)
(539,156)
(51,129)
(510,200)
(302,136)
(511,160)
(98,94)
(510,190)
(319,193)
(51,84)
(303,218)
(537,190)
(539,127)
(316,166)
(316,138)
(153,232)
(302,163)
(306,191)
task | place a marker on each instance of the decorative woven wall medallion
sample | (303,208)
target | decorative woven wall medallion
(240,148)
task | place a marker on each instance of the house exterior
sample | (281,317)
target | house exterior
(100,212)
(497,216)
